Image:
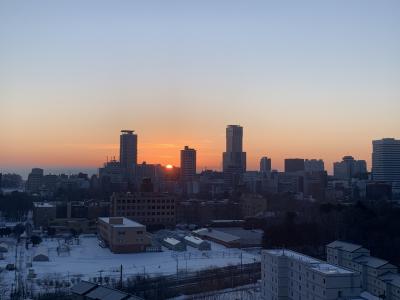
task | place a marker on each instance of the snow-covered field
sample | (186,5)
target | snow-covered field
(87,260)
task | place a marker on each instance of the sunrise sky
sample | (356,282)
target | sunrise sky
(311,79)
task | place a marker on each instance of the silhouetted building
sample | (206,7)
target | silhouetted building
(290,182)
(188,164)
(234,159)
(315,184)
(349,168)
(146,208)
(112,177)
(265,164)
(35,180)
(378,191)
(314,165)
(386,162)
(147,186)
(152,171)
(294,164)
(128,149)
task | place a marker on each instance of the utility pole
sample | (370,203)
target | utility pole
(177,267)
(120,277)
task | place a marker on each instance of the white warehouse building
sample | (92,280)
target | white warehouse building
(286,274)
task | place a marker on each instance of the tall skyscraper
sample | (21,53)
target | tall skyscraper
(294,164)
(349,168)
(386,162)
(234,155)
(265,164)
(128,149)
(234,159)
(188,164)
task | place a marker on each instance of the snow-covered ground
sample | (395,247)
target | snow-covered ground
(87,260)
(245,292)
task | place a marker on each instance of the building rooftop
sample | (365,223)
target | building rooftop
(216,234)
(344,246)
(43,204)
(247,236)
(392,278)
(371,261)
(83,287)
(125,222)
(193,239)
(315,264)
(171,241)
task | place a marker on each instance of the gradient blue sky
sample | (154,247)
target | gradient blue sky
(312,79)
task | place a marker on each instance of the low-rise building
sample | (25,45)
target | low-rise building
(286,274)
(43,213)
(123,235)
(211,234)
(198,243)
(378,276)
(173,244)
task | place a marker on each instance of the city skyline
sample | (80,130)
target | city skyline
(309,83)
(24,170)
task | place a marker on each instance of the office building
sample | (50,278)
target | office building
(349,168)
(386,162)
(43,213)
(35,180)
(286,274)
(188,164)
(147,208)
(112,177)
(128,149)
(234,159)
(378,276)
(265,165)
(314,165)
(123,235)
(294,165)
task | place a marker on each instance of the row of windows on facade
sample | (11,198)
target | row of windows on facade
(142,213)
(145,207)
(121,232)
(145,200)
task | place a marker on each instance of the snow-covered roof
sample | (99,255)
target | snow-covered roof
(41,250)
(314,263)
(366,296)
(125,222)
(171,241)
(344,246)
(43,204)
(193,239)
(391,278)
(83,287)
(216,234)
(371,261)
(4,245)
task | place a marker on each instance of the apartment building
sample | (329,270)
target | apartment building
(378,276)
(123,235)
(146,208)
(286,274)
